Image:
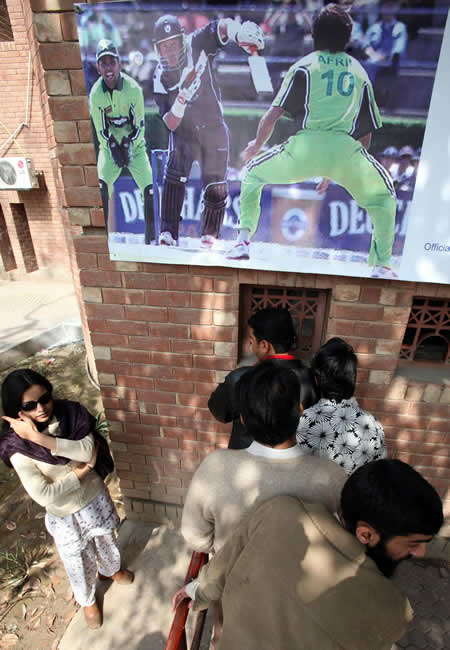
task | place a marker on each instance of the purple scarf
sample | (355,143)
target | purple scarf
(75,422)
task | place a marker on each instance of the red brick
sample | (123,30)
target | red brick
(99,311)
(135,382)
(194,347)
(146,343)
(370,295)
(107,365)
(156,397)
(202,316)
(101,279)
(69,26)
(377,362)
(396,314)
(72,176)
(97,216)
(76,154)
(168,298)
(357,312)
(85,130)
(150,314)
(189,283)
(117,327)
(83,196)
(86,260)
(429,409)
(162,421)
(340,327)
(68,108)
(145,281)
(214,363)
(121,416)
(210,333)
(65,132)
(379,330)
(91,244)
(213,301)
(60,56)
(172,360)
(133,356)
(91,175)
(169,331)
(108,339)
(204,388)
(174,385)
(123,296)
(116,391)
(191,374)
(199,401)
(178,432)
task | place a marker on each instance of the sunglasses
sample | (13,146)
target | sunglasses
(30,406)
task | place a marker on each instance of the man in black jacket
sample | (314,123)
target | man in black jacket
(272,335)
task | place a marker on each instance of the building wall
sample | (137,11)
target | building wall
(163,336)
(36,230)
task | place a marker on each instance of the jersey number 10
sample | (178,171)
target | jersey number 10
(345,83)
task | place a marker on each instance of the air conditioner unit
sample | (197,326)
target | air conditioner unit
(17,174)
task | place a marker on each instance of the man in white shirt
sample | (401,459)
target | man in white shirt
(229,483)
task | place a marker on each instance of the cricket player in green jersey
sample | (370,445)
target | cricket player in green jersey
(116,105)
(329,93)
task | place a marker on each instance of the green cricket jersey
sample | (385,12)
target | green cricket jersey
(119,112)
(330,92)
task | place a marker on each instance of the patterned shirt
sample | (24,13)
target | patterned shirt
(343,432)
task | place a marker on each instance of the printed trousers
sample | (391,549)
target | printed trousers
(81,567)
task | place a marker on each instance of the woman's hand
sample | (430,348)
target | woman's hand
(83,470)
(23,426)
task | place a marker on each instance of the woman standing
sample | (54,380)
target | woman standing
(52,446)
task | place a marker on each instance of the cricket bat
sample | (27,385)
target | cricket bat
(260,73)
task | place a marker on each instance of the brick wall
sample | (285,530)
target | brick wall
(164,335)
(43,213)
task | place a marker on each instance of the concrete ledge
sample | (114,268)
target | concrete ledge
(62,334)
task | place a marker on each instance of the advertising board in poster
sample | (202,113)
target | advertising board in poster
(275,137)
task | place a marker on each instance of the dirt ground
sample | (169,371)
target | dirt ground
(36,602)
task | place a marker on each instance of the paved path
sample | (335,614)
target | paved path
(36,313)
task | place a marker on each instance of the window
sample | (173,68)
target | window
(6,33)
(427,335)
(307,306)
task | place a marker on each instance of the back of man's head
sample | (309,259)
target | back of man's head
(269,402)
(274,325)
(393,498)
(332,28)
(334,367)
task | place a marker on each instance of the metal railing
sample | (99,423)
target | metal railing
(177,635)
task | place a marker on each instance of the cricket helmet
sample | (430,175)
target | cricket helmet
(166,28)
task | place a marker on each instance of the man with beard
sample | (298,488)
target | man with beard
(295,576)
(188,97)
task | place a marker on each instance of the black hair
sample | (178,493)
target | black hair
(332,29)
(393,498)
(13,387)
(274,324)
(334,366)
(269,403)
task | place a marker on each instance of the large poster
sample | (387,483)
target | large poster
(280,138)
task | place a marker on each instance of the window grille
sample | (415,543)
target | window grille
(308,308)
(427,335)
(6,33)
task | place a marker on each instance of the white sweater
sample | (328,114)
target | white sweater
(229,483)
(57,487)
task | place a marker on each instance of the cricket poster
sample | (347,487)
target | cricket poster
(299,137)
